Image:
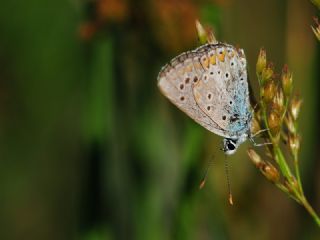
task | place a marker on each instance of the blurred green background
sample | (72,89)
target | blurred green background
(91,150)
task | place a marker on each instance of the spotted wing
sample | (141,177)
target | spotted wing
(222,92)
(176,81)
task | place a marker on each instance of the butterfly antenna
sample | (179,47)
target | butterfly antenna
(203,180)
(228,180)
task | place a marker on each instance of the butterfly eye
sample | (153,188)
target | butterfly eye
(231,146)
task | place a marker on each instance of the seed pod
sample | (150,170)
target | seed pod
(271,172)
(294,144)
(266,168)
(316,30)
(286,80)
(295,107)
(278,100)
(202,34)
(290,124)
(269,91)
(255,126)
(255,158)
(266,74)
(277,104)
(262,62)
(274,123)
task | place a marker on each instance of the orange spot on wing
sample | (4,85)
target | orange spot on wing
(213,59)
(222,55)
(205,62)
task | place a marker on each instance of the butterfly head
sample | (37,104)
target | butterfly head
(230,145)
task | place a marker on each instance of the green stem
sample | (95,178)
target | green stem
(297,171)
(285,190)
(282,162)
(310,210)
(298,194)
(294,188)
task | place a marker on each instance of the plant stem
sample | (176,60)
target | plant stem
(298,194)
(297,171)
(282,162)
(291,185)
(308,207)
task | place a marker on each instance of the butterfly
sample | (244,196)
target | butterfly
(210,85)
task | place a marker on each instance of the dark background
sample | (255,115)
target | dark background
(90,149)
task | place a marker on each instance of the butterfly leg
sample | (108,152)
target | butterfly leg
(259,144)
(259,132)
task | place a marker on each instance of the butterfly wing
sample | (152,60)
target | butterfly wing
(222,92)
(176,81)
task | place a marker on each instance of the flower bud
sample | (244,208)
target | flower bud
(291,184)
(255,158)
(266,74)
(266,168)
(255,126)
(202,34)
(279,99)
(290,124)
(271,172)
(294,144)
(287,185)
(278,102)
(262,62)
(257,114)
(316,30)
(295,107)
(286,79)
(269,91)
(210,37)
(274,122)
